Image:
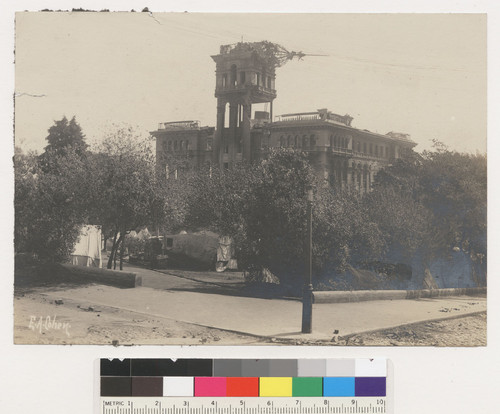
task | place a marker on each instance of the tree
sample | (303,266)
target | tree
(277,221)
(429,204)
(455,189)
(217,200)
(66,134)
(128,192)
(50,207)
(65,137)
(263,207)
(404,222)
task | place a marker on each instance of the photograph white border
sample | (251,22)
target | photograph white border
(434,380)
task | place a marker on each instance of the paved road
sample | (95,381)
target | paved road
(191,301)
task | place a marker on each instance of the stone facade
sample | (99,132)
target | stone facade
(346,156)
(181,145)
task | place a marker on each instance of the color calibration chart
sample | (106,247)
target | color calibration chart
(243,386)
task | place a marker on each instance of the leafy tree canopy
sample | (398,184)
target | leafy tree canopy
(65,134)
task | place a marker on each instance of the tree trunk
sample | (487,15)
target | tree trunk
(113,249)
(114,252)
(122,248)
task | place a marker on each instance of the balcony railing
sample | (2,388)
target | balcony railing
(242,87)
(179,125)
(306,116)
(341,150)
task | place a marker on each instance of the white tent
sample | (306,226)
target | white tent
(87,251)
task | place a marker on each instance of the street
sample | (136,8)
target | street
(182,307)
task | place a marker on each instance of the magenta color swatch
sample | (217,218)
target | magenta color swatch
(210,386)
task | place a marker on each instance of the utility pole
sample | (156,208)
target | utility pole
(308,289)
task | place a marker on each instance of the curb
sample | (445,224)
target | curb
(104,276)
(366,295)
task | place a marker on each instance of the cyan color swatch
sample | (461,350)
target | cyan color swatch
(338,387)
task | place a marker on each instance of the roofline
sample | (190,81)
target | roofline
(320,122)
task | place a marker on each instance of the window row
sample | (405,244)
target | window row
(298,142)
(365,148)
(235,78)
(175,145)
(339,141)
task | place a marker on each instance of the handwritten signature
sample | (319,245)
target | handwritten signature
(40,324)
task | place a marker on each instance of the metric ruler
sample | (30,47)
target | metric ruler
(243,386)
(246,405)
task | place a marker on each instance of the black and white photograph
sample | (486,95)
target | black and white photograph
(250,179)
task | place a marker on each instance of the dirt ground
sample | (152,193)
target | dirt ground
(464,331)
(40,320)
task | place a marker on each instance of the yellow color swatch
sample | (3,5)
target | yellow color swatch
(275,386)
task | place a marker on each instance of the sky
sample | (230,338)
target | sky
(422,74)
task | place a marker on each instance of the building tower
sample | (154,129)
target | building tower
(245,75)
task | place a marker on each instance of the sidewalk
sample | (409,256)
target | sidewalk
(264,317)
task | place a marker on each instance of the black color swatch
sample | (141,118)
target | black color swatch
(116,386)
(199,367)
(158,367)
(115,367)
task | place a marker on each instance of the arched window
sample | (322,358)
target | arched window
(181,145)
(371,148)
(169,146)
(376,150)
(364,147)
(282,141)
(289,142)
(297,141)
(305,142)
(359,146)
(332,141)
(175,145)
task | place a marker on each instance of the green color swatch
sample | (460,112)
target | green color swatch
(307,387)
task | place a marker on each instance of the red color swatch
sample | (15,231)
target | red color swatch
(242,387)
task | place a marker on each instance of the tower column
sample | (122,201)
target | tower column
(245,131)
(233,131)
(361,180)
(350,178)
(217,145)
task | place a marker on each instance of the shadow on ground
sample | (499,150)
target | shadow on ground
(227,283)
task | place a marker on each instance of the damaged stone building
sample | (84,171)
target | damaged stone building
(245,81)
